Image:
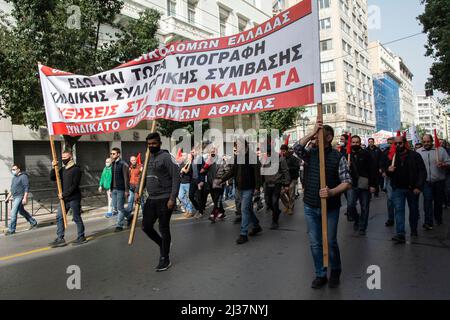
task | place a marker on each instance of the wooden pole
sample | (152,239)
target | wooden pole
(58,181)
(141,189)
(393,160)
(323,184)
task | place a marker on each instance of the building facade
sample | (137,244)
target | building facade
(181,19)
(431,115)
(387,101)
(347,89)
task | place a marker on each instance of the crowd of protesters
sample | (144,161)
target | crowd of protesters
(401,170)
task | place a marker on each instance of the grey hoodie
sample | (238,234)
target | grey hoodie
(19,185)
(434,173)
(163,176)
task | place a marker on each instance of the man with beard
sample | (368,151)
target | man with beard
(407,174)
(376,154)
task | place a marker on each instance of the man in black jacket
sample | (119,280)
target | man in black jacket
(70,175)
(120,186)
(376,154)
(364,176)
(293,164)
(408,176)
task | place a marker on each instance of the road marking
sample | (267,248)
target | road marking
(24,253)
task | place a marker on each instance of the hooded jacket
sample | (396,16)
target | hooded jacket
(163,176)
(434,173)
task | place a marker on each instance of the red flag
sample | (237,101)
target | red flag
(392,151)
(437,143)
(398,133)
(407,143)
(138,159)
(349,144)
(179,154)
(286,142)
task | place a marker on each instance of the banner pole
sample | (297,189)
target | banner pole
(141,188)
(323,184)
(58,181)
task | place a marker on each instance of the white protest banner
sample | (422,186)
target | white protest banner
(272,66)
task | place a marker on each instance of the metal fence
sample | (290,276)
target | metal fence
(45,201)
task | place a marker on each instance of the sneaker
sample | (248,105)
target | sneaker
(362,232)
(130,220)
(9,232)
(221,216)
(427,227)
(33,226)
(399,238)
(108,215)
(198,215)
(255,231)
(259,206)
(189,214)
(242,239)
(319,282)
(79,241)
(389,223)
(414,233)
(58,242)
(118,229)
(115,213)
(164,264)
(334,279)
(237,220)
(212,218)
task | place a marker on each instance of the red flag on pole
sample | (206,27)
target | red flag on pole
(398,133)
(349,144)
(437,143)
(138,159)
(392,151)
(179,154)
(407,143)
(286,142)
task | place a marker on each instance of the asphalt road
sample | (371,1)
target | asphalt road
(207,263)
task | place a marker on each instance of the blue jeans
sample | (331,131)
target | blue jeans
(399,198)
(314,222)
(433,199)
(390,203)
(118,200)
(353,195)
(17,207)
(75,205)
(130,206)
(183,195)
(247,211)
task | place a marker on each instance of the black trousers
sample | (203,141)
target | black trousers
(197,196)
(272,194)
(157,210)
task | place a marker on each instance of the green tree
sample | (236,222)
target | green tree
(64,34)
(282,119)
(436,23)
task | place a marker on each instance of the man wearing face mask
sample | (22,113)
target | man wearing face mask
(163,183)
(70,175)
(120,188)
(434,189)
(343,144)
(338,181)
(364,174)
(19,194)
(105,184)
(407,176)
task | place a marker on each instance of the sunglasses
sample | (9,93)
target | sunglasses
(113,153)
(399,143)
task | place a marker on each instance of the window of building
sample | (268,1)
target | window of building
(345,27)
(327,66)
(325,23)
(171,5)
(329,87)
(329,108)
(191,11)
(346,47)
(242,24)
(326,45)
(223,17)
(323,4)
(344,7)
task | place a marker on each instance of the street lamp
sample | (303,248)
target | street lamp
(303,121)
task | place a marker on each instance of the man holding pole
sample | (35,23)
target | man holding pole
(338,180)
(70,175)
(436,161)
(163,183)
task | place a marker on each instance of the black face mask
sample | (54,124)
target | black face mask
(65,161)
(356,148)
(213,155)
(154,150)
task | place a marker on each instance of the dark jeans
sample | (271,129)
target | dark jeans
(314,222)
(272,194)
(217,197)
(75,205)
(196,196)
(238,202)
(154,210)
(399,197)
(433,199)
(353,195)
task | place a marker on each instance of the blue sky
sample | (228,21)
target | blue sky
(398,19)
